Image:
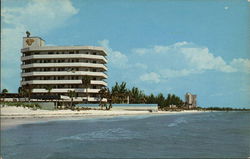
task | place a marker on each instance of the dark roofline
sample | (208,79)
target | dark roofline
(34,37)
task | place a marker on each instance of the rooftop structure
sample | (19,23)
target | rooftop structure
(56,70)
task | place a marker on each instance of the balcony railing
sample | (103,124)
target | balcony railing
(65,56)
(42,65)
(65,90)
(65,73)
(93,82)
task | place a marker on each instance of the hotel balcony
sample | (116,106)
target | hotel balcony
(65,90)
(65,73)
(80,99)
(68,48)
(65,56)
(94,82)
(50,65)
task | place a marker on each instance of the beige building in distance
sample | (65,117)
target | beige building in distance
(62,68)
(191,100)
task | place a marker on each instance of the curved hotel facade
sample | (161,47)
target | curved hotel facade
(62,68)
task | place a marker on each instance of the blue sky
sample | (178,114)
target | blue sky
(168,46)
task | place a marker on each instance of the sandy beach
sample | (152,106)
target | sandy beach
(12,116)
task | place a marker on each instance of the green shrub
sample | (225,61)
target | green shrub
(22,104)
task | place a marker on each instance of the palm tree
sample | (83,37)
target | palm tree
(4,91)
(119,92)
(106,93)
(48,88)
(102,93)
(150,99)
(22,93)
(160,100)
(137,95)
(72,94)
(110,97)
(86,83)
(28,90)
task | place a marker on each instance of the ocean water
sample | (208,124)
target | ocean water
(203,135)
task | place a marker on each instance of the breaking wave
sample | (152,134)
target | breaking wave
(108,134)
(177,122)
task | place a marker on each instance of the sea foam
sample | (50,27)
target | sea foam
(106,134)
(177,122)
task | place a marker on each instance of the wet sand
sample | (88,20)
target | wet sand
(12,116)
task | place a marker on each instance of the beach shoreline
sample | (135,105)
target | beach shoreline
(12,116)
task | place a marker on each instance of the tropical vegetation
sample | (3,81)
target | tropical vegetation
(22,104)
(119,93)
(4,91)
(86,80)
(72,94)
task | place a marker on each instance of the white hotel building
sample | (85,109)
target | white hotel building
(62,68)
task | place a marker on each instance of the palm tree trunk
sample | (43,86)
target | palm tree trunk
(71,104)
(86,89)
(87,95)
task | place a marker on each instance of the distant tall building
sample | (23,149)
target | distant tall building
(62,69)
(191,100)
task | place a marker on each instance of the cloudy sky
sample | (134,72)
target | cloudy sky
(168,46)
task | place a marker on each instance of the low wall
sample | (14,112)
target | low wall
(47,105)
(134,107)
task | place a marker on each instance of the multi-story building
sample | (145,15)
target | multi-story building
(62,68)
(190,100)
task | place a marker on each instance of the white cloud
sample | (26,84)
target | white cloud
(241,65)
(140,51)
(151,77)
(116,58)
(226,7)
(141,65)
(39,16)
(155,49)
(159,48)
(183,43)
(186,58)
(170,73)
(36,16)
(202,59)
